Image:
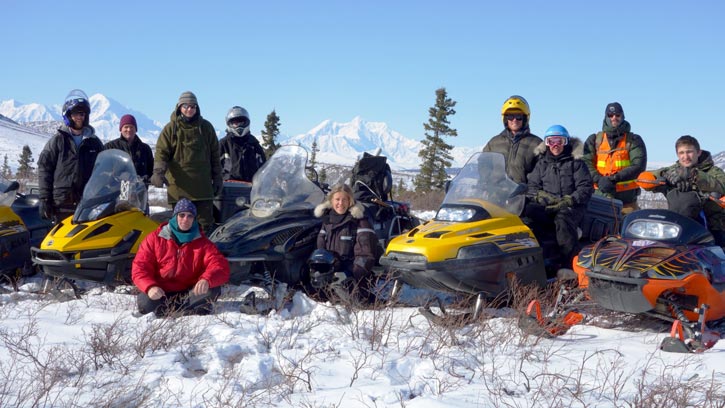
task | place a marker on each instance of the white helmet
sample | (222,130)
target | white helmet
(240,127)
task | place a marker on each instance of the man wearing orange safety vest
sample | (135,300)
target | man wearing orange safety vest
(615,157)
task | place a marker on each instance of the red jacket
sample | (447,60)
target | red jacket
(161,262)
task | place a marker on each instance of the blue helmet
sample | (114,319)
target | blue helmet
(557,131)
(75,101)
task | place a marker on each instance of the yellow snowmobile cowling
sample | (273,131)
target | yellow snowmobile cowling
(99,241)
(477,243)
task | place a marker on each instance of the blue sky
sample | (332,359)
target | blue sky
(383,61)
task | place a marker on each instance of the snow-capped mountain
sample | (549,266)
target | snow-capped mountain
(14,136)
(105,117)
(343,143)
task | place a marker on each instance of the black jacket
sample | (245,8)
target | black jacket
(140,152)
(518,150)
(64,168)
(562,175)
(241,157)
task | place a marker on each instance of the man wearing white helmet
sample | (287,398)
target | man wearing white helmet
(241,153)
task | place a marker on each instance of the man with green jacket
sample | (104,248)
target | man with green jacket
(695,171)
(187,160)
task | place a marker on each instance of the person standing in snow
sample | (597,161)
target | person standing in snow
(187,159)
(516,142)
(241,153)
(559,191)
(615,157)
(177,268)
(129,142)
(66,162)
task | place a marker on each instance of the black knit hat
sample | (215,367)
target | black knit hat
(614,108)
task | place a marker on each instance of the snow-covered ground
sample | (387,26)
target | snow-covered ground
(93,352)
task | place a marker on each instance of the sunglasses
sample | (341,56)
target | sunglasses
(187,106)
(185,215)
(556,141)
(611,115)
(518,117)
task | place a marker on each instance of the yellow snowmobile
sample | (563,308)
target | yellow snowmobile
(99,241)
(476,244)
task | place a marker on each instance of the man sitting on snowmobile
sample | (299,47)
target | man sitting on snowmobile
(560,187)
(347,233)
(177,269)
(693,173)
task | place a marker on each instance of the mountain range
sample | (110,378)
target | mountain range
(337,143)
(33,124)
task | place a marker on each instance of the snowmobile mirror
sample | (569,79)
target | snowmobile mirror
(14,186)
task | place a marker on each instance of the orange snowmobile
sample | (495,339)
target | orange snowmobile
(662,264)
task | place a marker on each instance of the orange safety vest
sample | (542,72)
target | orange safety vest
(610,161)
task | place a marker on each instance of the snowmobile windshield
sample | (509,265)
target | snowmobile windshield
(113,187)
(481,182)
(282,184)
(7,192)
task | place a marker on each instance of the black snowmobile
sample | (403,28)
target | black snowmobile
(20,228)
(268,243)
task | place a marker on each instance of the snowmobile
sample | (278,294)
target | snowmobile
(476,244)
(268,243)
(663,264)
(20,228)
(99,241)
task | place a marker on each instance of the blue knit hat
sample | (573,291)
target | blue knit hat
(184,205)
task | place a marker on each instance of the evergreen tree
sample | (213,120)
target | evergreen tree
(270,133)
(435,154)
(323,175)
(312,163)
(6,171)
(26,170)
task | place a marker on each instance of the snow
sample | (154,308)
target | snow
(93,352)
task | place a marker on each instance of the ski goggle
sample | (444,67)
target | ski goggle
(556,141)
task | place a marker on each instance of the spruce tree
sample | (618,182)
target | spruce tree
(435,154)
(6,171)
(270,133)
(26,170)
(312,162)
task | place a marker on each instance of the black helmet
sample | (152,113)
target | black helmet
(76,100)
(240,127)
(322,260)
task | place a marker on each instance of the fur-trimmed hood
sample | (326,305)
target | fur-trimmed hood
(577,148)
(357,211)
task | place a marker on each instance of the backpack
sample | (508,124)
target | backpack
(374,172)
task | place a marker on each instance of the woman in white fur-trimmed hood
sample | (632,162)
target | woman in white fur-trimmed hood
(347,233)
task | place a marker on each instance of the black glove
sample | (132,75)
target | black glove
(546,199)
(564,202)
(218,186)
(158,179)
(46,209)
(606,185)
(682,178)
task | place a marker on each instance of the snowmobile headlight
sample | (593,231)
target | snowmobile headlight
(457,214)
(96,211)
(265,208)
(656,230)
(478,251)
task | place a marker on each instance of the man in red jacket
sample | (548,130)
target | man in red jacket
(177,268)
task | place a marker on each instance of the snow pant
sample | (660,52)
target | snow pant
(564,223)
(179,302)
